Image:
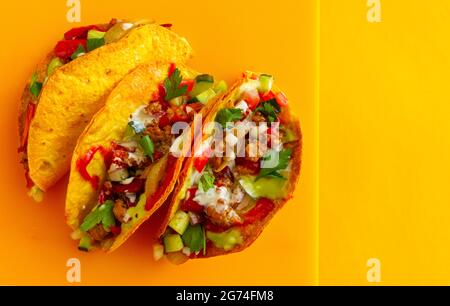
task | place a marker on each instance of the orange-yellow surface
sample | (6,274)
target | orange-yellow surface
(229,37)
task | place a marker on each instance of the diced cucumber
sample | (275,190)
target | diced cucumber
(85,244)
(118,175)
(179,222)
(266,187)
(205,96)
(203,82)
(54,64)
(93,34)
(226,240)
(221,87)
(266,82)
(158,251)
(173,243)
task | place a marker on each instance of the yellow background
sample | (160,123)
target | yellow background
(384,142)
(229,37)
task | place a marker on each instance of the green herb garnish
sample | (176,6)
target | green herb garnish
(80,50)
(172,86)
(228,115)
(283,161)
(35,86)
(206,181)
(102,214)
(194,238)
(94,43)
(270,109)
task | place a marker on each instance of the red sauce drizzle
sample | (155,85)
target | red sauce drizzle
(86,159)
(163,184)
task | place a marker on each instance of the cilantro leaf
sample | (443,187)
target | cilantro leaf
(206,181)
(194,238)
(283,162)
(172,86)
(35,86)
(228,115)
(102,214)
(270,109)
(78,52)
(94,43)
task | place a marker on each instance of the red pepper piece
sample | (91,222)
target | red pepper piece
(65,48)
(31,111)
(189,83)
(262,208)
(135,186)
(166,25)
(189,204)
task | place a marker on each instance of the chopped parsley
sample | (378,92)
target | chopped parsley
(266,163)
(172,86)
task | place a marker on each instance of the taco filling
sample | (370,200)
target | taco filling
(76,43)
(236,182)
(142,164)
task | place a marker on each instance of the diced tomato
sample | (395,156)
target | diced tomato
(189,204)
(116,230)
(65,48)
(281,99)
(262,208)
(172,68)
(200,162)
(179,114)
(164,121)
(267,96)
(188,83)
(252,98)
(166,25)
(81,32)
(135,186)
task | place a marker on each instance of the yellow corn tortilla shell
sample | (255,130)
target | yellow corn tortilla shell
(249,232)
(77,90)
(109,125)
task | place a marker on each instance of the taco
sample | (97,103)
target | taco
(71,85)
(127,161)
(244,169)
